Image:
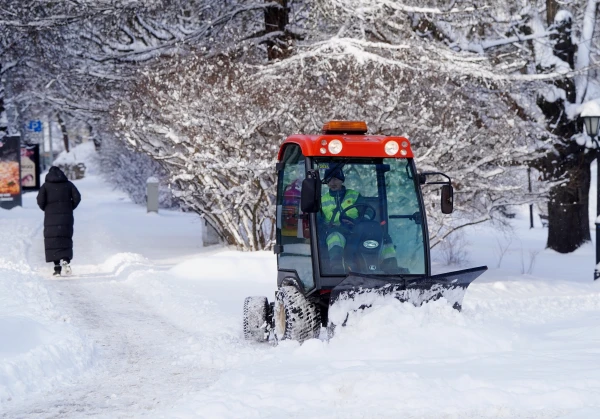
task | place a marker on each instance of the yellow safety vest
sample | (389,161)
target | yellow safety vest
(328,206)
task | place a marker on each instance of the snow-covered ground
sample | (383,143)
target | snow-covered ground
(150,326)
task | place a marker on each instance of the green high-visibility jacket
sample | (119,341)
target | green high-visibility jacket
(329,204)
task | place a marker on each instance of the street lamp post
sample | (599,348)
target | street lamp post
(591,126)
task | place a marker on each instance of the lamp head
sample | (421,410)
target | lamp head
(591,125)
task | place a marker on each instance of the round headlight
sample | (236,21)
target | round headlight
(335,146)
(322,150)
(391,148)
(403,152)
(404,144)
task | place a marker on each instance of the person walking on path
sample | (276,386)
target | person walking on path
(58,197)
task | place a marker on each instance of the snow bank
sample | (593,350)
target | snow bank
(204,296)
(515,350)
(229,266)
(396,360)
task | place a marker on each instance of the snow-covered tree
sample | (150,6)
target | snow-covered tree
(3,118)
(552,43)
(210,88)
(206,137)
(218,123)
(74,60)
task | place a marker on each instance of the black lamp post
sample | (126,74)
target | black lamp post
(591,126)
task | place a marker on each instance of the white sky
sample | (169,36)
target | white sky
(150,326)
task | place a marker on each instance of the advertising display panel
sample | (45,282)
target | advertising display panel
(30,167)
(10,172)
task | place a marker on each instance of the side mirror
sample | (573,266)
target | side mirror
(447,199)
(310,198)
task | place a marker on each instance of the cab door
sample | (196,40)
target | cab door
(292,230)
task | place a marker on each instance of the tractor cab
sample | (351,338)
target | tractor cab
(350,218)
(370,221)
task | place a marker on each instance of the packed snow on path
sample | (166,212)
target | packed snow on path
(149,325)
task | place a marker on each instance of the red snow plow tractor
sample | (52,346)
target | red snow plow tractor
(350,222)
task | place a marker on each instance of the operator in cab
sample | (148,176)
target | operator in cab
(336,201)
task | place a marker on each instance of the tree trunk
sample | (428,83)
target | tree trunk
(568,217)
(551,10)
(63,129)
(3,118)
(276,20)
(97,141)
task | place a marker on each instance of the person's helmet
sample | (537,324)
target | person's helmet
(332,172)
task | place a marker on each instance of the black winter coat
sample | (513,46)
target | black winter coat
(58,197)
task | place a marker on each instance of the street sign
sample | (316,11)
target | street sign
(35,126)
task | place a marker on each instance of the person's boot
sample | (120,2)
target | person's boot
(390,266)
(336,261)
(57,270)
(65,265)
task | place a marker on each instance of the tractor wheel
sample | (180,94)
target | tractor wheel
(256,319)
(294,316)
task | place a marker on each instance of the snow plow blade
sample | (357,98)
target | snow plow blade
(417,290)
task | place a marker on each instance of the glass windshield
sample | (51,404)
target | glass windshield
(370,220)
